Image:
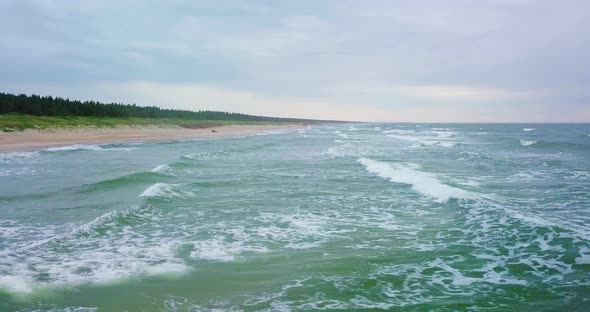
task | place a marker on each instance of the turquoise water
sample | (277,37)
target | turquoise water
(366,216)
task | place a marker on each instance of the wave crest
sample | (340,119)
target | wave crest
(422,182)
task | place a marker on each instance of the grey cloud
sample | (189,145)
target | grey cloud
(383,54)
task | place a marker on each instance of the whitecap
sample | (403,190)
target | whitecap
(424,141)
(342,135)
(527,142)
(444,134)
(163,169)
(165,190)
(397,131)
(422,182)
(528,129)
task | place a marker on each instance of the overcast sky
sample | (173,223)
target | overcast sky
(422,61)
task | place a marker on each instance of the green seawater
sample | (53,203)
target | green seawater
(402,217)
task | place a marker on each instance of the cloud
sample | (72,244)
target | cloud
(436,92)
(390,60)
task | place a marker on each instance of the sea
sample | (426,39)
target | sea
(367,216)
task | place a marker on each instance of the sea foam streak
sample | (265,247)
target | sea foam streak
(422,182)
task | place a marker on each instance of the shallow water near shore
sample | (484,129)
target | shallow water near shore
(409,217)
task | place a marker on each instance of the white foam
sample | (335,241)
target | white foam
(342,135)
(155,190)
(292,230)
(217,249)
(399,131)
(16,283)
(163,169)
(584,257)
(348,149)
(85,147)
(472,183)
(75,147)
(527,143)
(18,171)
(164,190)
(422,182)
(528,129)
(17,157)
(88,257)
(340,151)
(270,132)
(446,143)
(424,141)
(444,134)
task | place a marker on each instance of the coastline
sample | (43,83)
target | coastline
(34,140)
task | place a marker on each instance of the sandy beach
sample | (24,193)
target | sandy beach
(31,140)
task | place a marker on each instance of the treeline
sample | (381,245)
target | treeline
(57,106)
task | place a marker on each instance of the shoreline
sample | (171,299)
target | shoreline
(35,140)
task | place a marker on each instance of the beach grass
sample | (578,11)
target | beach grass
(19,122)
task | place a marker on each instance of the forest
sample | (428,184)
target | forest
(56,106)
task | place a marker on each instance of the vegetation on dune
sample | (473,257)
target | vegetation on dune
(18,122)
(19,112)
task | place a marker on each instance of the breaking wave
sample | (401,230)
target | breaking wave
(422,182)
(85,147)
(165,190)
(527,142)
